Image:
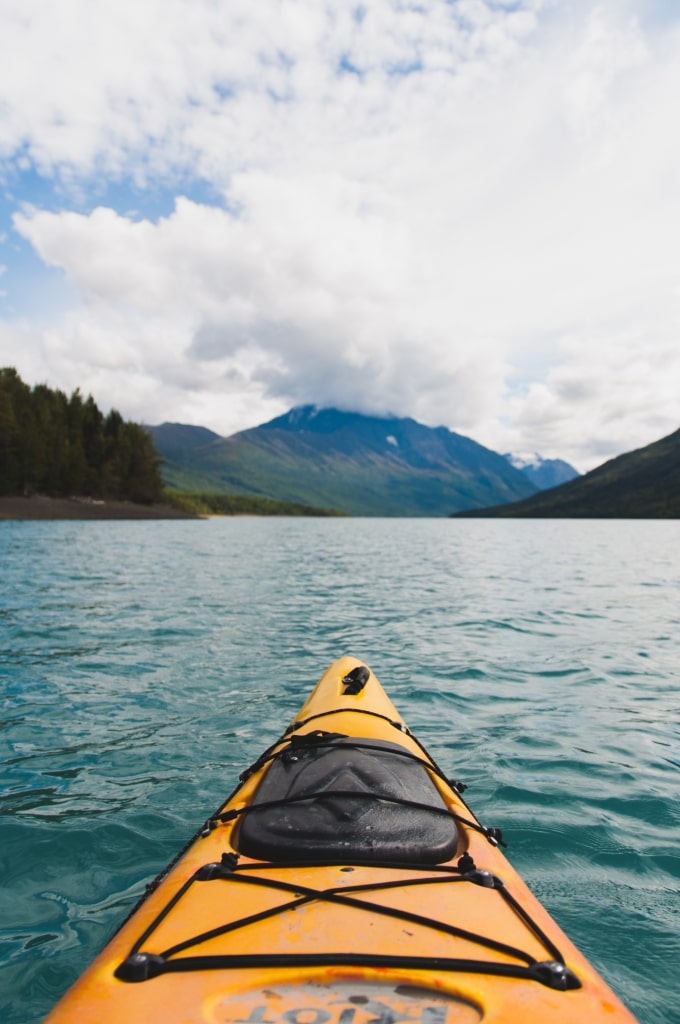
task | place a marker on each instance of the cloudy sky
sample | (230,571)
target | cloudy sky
(467,212)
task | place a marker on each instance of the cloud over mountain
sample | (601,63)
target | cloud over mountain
(459,212)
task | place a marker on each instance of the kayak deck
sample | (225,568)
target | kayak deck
(345,881)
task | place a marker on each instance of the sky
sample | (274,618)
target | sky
(464,211)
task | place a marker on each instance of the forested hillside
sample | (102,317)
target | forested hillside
(57,445)
(642,484)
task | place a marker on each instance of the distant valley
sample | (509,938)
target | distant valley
(543,473)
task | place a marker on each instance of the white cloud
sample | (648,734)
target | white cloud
(463,212)
(209,86)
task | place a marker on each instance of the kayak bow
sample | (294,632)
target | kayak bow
(345,881)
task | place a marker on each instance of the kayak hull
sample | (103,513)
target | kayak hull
(335,933)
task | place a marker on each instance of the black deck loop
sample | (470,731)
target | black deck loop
(218,869)
(484,878)
(141,967)
(208,872)
(466,863)
(555,975)
(495,837)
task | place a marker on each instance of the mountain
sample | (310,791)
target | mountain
(179,438)
(360,465)
(643,484)
(543,473)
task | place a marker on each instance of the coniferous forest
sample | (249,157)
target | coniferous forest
(60,446)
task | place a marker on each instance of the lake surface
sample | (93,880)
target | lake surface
(143,664)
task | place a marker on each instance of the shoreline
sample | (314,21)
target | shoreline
(40,507)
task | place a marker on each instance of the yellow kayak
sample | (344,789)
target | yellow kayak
(345,881)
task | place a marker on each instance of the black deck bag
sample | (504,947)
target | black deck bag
(356,808)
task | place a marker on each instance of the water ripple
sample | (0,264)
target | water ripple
(144,664)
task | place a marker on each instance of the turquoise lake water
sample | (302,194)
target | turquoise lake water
(143,664)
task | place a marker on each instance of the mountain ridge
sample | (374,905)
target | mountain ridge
(641,484)
(357,464)
(544,473)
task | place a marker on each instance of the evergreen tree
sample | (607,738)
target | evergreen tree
(61,446)
(9,445)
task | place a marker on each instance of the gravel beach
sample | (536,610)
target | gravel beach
(41,507)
